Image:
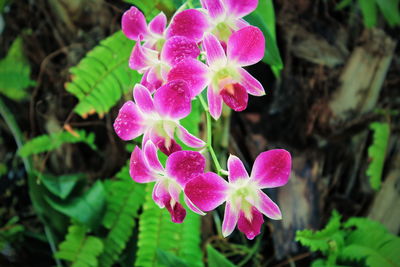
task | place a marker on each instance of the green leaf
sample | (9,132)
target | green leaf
(377,153)
(369,11)
(103,76)
(216,259)
(86,209)
(15,72)
(169,259)
(61,186)
(53,141)
(390,10)
(343,4)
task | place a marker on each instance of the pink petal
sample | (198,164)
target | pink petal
(189,139)
(193,72)
(184,165)
(240,8)
(139,169)
(268,207)
(158,23)
(143,98)
(235,96)
(250,227)
(129,122)
(166,146)
(178,48)
(207,191)
(251,84)
(214,102)
(149,83)
(246,46)
(173,100)
(174,190)
(177,211)
(272,168)
(189,23)
(134,23)
(236,169)
(231,217)
(150,152)
(215,7)
(191,206)
(241,23)
(142,57)
(214,50)
(162,197)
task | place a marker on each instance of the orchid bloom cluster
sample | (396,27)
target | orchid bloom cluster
(200,48)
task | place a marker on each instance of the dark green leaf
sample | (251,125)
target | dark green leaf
(216,259)
(369,11)
(61,186)
(169,259)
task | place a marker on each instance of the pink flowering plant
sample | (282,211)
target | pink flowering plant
(204,48)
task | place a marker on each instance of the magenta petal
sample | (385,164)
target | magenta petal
(272,168)
(143,98)
(191,206)
(214,50)
(166,146)
(235,96)
(231,217)
(142,57)
(251,84)
(129,122)
(160,194)
(215,7)
(150,152)
(177,211)
(189,139)
(173,100)
(241,8)
(214,102)
(236,169)
(207,191)
(138,169)
(158,23)
(241,23)
(268,207)
(189,23)
(250,227)
(178,48)
(149,83)
(184,165)
(193,72)
(134,24)
(246,46)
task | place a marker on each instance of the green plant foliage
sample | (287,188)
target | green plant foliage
(10,232)
(53,141)
(79,248)
(151,8)
(216,259)
(124,198)
(103,76)
(15,72)
(377,153)
(61,186)
(169,259)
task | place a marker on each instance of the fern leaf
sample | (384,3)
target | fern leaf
(53,141)
(81,249)
(377,153)
(103,76)
(15,72)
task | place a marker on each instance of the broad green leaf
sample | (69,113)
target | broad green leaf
(369,11)
(216,259)
(169,259)
(390,10)
(61,186)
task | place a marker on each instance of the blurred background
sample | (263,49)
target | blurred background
(332,77)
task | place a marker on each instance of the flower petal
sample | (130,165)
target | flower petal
(272,168)
(251,84)
(177,211)
(189,23)
(129,123)
(246,46)
(150,83)
(214,50)
(184,165)
(191,206)
(142,57)
(160,194)
(134,23)
(235,96)
(139,169)
(165,144)
(236,169)
(158,23)
(173,100)
(231,217)
(150,152)
(207,191)
(250,227)
(214,102)
(178,48)
(143,98)
(268,207)
(215,7)
(193,72)
(240,8)
(189,139)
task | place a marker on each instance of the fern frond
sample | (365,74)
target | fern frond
(377,153)
(53,141)
(100,79)
(81,249)
(15,72)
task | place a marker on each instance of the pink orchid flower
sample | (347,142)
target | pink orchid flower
(245,201)
(225,76)
(180,167)
(158,118)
